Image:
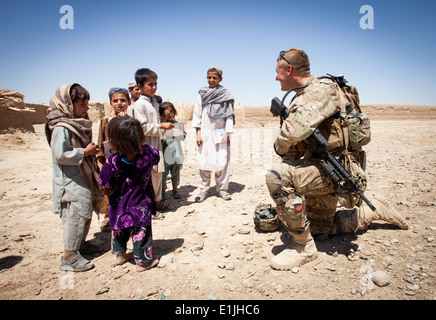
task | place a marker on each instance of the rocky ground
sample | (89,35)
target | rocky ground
(211,250)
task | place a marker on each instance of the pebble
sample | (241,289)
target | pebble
(201,231)
(226,253)
(152,291)
(278,288)
(247,283)
(102,290)
(198,246)
(248,249)
(164,260)
(244,230)
(229,285)
(381,278)
(230,266)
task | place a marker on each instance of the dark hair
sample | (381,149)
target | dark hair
(125,135)
(77,92)
(158,99)
(141,75)
(166,105)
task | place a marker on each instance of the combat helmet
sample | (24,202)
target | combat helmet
(265,217)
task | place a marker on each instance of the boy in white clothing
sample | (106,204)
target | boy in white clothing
(146,111)
(213,120)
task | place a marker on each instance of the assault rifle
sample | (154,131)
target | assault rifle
(317,145)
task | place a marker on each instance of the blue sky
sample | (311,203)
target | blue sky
(394,63)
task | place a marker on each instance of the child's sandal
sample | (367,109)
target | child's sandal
(77,264)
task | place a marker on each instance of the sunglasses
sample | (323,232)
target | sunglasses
(283,57)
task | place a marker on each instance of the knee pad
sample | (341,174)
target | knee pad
(274,184)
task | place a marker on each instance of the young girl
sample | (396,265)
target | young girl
(127,173)
(172,148)
(119,100)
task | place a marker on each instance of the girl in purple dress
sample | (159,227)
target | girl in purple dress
(127,173)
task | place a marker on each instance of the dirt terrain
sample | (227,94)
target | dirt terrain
(211,250)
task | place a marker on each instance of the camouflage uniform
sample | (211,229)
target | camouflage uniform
(303,192)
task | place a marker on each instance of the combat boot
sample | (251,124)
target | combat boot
(384,212)
(305,251)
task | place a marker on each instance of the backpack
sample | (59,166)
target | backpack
(356,124)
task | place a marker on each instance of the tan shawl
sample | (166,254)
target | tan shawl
(61,113)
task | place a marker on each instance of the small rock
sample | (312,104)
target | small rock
(381,278)
(198,246)
(330,267)
(279,289)
(190,210)
(230,266)
(244,231)
(167,293)
(102,290)
(152,291)
(229,285)
(201,231)
(248,249)
(163,261)
(415,267)
(226,253)
(247,283)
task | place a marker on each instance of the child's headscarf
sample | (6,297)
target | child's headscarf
(61,113)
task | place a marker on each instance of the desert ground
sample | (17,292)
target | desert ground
(212,250)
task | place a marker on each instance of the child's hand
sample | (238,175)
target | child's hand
(199,138)
(166,125)
(225,138)
(91,149)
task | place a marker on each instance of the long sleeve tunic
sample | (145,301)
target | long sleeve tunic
(212,155)
(68,183)
(146,111)
(132,198)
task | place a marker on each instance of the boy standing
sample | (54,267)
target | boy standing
(146,111)
(213,120)
(76,191)
(135,93)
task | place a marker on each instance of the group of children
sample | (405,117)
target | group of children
(124,175)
